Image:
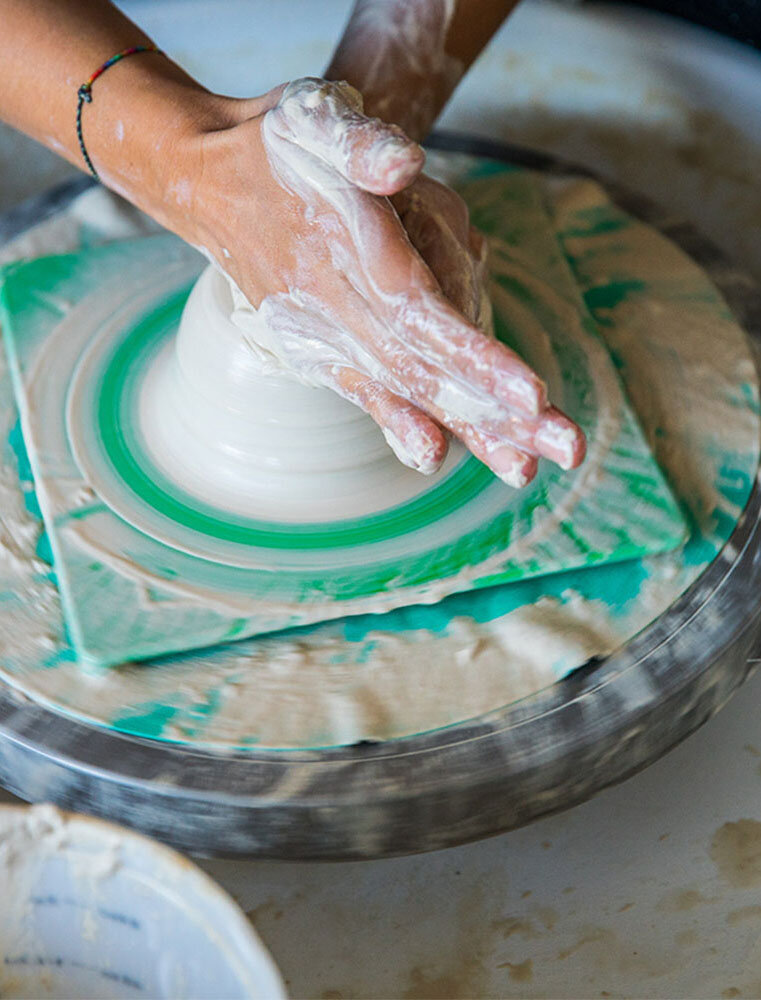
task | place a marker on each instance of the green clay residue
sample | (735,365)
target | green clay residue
(146,720)
(613,294)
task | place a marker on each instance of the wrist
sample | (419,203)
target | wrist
(219,173)
(412,74)
(144,131)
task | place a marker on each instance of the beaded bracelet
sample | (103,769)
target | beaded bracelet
(84,94)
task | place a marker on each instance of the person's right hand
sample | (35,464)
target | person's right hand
(437,221)
(292,200)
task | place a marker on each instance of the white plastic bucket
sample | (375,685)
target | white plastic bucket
(89,909)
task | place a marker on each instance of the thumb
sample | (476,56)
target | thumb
(326,120)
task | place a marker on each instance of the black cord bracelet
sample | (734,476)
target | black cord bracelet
(84,94)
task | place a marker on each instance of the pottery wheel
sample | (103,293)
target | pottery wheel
(498,770)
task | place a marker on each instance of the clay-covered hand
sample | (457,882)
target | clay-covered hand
(437,222)
(293,201)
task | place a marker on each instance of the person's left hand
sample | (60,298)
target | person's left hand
(292,198)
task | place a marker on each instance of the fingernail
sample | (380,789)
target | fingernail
(527,392)
(417,452)
(396,158)
(513,467)
(561,441)
(430,462)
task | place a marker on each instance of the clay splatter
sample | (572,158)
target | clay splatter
(736,852)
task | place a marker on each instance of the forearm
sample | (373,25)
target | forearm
(144,109)
(407,56)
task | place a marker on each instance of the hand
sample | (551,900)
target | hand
(292,201)
(437,222)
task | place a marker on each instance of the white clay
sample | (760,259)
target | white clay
(226,421)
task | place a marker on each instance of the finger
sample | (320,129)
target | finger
(479,249)
(251,107)
(428,197)
(427,332)
(436,221)
(407,365)
(326,120)
(558,438)
(379,157)
(513,466)
(464,353)
(510,445)
(507,448)
(412,435)
(553,435)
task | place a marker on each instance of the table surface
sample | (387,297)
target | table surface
(653,889)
